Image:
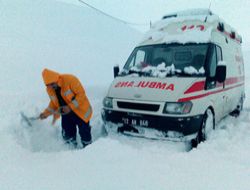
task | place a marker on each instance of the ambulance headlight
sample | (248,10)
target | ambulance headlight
(108,102)
(177,107)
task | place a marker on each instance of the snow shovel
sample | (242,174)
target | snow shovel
(28,120)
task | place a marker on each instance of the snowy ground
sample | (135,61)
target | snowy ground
(35,158)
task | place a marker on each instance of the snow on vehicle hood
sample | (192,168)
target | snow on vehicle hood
(149,88)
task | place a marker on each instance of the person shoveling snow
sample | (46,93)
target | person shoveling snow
(68,100)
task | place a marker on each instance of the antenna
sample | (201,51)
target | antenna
(210,5)
(209,10)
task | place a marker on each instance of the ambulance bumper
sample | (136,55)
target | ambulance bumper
(170,128)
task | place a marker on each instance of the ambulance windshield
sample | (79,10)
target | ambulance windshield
(167,60)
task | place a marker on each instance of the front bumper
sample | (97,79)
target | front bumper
(172,128)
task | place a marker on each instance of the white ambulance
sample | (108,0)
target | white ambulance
(184,77)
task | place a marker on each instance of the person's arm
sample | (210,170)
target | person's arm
(51,109)
(79,92)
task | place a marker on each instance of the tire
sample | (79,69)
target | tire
(207,126)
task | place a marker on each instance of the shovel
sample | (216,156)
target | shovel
(28,120)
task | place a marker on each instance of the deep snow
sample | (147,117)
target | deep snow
(76,40)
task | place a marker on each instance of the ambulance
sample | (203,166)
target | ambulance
(185,75)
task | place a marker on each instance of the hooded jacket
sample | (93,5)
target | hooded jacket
(72,92)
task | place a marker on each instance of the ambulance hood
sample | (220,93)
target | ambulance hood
(150,89)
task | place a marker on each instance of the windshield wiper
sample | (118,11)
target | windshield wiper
(185,74)
(140,73)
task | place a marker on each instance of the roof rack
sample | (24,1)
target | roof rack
(190,12)
(169,16)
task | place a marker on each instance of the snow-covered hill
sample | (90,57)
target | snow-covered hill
(64,37)
(73,39)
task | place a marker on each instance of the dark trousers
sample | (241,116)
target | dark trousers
(69,123)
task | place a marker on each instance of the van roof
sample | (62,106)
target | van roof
(190,12)
(189,26)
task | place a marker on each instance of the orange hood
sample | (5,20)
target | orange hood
(50,76)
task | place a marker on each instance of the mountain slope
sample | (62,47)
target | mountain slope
(67,38)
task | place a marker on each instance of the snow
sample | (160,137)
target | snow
(184,16)
(189,36)
(222,63)
(169,29)
(193,12)
(158,30)
(191,70)
(162,70)
(72,39)
(33,38)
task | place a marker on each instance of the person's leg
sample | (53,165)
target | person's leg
(85,133)
(69,129)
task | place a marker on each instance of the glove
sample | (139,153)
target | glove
(65,110)
(43,116)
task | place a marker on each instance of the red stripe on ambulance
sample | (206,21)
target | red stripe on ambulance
(200,85)
(207,94)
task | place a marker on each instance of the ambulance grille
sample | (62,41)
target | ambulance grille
(138,106)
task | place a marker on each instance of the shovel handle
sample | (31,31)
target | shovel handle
(34,118)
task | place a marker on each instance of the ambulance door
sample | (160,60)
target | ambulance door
(222,86)
(217,95)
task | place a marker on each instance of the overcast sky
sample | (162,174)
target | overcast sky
(234,12)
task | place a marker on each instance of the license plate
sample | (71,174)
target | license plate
(135,122)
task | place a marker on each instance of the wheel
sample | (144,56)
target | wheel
(207,126)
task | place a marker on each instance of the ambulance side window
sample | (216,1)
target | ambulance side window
(212,64)
(216,57)
(135,59)
(132,62)
(140,57)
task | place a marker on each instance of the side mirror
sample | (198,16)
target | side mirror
(116,70)
(221,73)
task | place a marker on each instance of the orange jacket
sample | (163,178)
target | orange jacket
(71,91)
